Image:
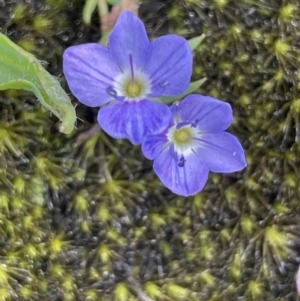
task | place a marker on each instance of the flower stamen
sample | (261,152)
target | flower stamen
(111,91)
(181,161)
(194,124)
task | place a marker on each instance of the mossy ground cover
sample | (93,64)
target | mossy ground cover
(90,221)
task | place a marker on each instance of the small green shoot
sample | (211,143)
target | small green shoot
(192,88)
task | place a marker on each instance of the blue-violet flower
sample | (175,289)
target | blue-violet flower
(194,144)
(129,75)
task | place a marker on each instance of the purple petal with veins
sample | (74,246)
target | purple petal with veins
(134,120)
(170,66)
(90,70)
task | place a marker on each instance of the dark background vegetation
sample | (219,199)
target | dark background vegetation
(92,222)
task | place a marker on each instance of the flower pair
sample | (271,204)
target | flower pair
(126,80)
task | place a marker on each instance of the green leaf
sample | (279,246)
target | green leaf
(192,88)
(88,9)
(195,42)
(21,70)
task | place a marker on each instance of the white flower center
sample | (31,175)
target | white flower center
(133,89)
(182,138)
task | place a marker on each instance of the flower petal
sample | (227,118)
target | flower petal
(153,144)
(90,70)
(134,120)
(169,66)
(222,152)
(209,114)
(129,37)
(186,180)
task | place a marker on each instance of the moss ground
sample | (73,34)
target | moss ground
(92,222)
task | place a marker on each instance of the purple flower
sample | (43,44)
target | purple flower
(129,76)
(194,144)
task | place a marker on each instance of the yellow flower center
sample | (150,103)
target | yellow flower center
(134,89)
(182,135)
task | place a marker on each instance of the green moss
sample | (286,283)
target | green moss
(41,24)
(57,4)
(76,222)
(286,12)
(19,12)
(220,4)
